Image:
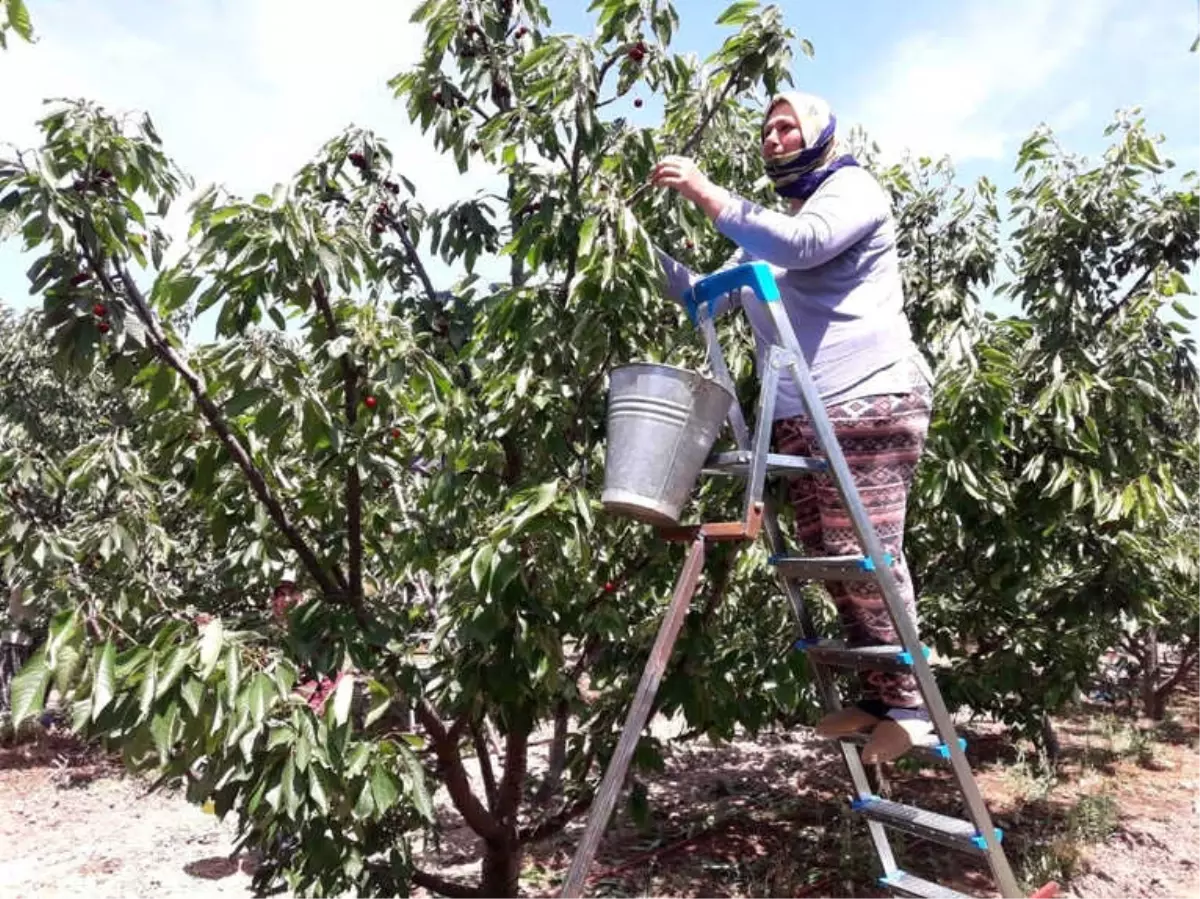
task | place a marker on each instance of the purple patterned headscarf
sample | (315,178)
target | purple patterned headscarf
(798,175)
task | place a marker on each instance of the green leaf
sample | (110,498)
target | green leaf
(481,565)
(104,683)
(149,685)
(384,788)
(416,780)
(233,674)
(316,789)
(365,804)
(29,687)
(162,729)
(179,660)
(193,693)
(343,696)
(358,760)
(210,647)
(258,697)
(291,800)
(18,18)
(240,402)
(737,13)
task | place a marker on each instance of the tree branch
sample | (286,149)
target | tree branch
(353,479)
(1120,304)
(485,765)
(217,422)
(548,827)
(512,783)
(693,140)
(457,784)
(414,259)
(1186,663)
(451,888)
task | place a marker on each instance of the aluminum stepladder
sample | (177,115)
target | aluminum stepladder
(753,460)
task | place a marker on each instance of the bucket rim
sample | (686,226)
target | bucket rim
(678,368)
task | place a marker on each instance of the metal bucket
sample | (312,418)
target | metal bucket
(662,424)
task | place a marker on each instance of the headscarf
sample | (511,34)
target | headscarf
(799,174)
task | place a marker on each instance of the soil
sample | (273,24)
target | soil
(763,817)
(73,824)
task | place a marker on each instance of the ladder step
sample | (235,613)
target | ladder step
(910,885)
(953,832)
(827,568)
(860,658)
(738,463)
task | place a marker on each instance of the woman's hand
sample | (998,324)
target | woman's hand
(683,175)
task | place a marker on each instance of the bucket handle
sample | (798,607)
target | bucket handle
(755,275)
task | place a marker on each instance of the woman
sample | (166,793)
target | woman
(834,258)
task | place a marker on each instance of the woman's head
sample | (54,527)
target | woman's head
(794,122)
(799,143)
(781,132)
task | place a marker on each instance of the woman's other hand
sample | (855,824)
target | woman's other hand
(680,173)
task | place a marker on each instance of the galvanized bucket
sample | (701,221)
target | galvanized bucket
(662,424)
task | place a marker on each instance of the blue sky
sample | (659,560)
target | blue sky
(243,92)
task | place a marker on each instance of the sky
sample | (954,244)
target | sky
(243,92)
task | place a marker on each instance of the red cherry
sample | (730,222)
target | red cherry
(689,245)
(637,52)
(395,433)
(637,102)
(358,160)
(392,186)
(102,327)
(81,278)
(437,97)
(370,402)
(610,587)
(521,32)
(99,310)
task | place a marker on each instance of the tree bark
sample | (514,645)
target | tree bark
(501,867)
(1050,739)
(445,887)
(1150,674)
(558,755)
(478,818)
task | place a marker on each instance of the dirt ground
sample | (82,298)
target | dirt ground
(761,818)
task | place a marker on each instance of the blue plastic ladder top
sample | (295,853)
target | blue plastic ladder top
(755,275)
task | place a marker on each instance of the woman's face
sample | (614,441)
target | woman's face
(781,134)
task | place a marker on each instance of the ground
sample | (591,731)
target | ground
(752,818)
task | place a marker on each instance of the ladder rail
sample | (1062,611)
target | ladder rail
(635,720)
(759,445)
(905,627)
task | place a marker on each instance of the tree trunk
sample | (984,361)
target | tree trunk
(1150,675)
(1154,706)
(1050,739)
(558,756)
(501,869)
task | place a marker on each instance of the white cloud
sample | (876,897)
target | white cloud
(966,89)
(242,93)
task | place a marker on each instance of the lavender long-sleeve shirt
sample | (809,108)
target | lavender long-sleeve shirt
(839,278)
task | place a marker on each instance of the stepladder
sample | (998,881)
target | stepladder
(972,833)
